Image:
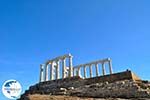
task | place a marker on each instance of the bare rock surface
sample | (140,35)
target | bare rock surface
(60,97)
(111,87)
(119,90)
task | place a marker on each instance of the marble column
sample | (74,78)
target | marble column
(46,72)
(51,70)
(78,71)
(96,67)
(110,67)
(84,71)
(57,69)
(41,73)
(73,71)
(63,68)
(70,67)
(90,70)
(103,68)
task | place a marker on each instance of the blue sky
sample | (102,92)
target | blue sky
(32,31)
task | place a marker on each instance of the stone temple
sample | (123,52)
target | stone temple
(95,79)
(52,68)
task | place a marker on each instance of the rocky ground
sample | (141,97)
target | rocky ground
(48,97)
(121,89)
(97,91)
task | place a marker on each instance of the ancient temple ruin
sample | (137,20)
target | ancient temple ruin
(94,79)
(50,70)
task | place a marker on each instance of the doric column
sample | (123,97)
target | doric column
(84,71)
(41,73)
(96,67)
(70,67)
(78,71)
(46,72)
(110,66)
(51,70)
(63,68)
(103,68)
(90,70)
(57,69)
(73,71)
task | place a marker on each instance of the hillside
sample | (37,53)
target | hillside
(119,85)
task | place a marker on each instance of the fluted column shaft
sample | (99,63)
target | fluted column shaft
(96,67)
(46,72)
(84,71)
(70,67)
(78,71)
(103,68)
(90,70)
(110,67)
(63,68)
(57,69)
(41,73)
(51,71)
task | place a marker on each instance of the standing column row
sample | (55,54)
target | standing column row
(96,65)
(54,66)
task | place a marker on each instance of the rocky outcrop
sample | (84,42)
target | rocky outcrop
(60,97)
(113,86)
(121,89)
